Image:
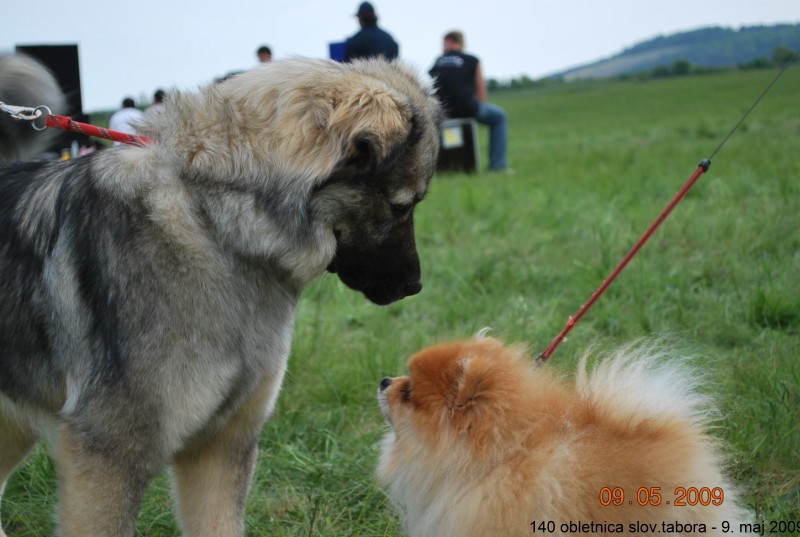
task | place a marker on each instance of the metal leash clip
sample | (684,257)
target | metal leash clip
(42,112)
(37,116)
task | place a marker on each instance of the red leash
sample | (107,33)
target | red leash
(41,118)
(701,169)
(66,123)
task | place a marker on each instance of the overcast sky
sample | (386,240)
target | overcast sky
(133,48)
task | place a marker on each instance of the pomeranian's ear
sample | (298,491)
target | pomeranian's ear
(467,387)
(486,343)
(471,412)
(478,380)
(488,391)
(482,333)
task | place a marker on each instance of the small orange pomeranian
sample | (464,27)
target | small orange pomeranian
(484,444)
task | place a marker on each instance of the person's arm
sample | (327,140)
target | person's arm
(480,85)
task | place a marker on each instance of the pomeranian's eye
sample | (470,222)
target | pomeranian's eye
(407,392)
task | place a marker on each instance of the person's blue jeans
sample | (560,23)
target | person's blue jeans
(495,117)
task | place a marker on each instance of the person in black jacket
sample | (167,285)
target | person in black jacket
(370,41)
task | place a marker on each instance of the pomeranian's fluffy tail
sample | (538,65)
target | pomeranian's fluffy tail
(646,380)
(649,383)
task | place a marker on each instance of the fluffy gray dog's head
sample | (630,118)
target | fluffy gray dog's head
(335,156)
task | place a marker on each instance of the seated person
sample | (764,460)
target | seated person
(462,90)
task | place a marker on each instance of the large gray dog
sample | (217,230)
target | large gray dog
(148,294)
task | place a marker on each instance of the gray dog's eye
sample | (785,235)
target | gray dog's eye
(401,209)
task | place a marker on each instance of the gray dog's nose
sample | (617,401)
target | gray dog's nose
(413,288)
(385,383)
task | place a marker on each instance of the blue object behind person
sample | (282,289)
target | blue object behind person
(370,41)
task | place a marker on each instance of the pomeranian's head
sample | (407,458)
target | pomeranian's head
(470,396)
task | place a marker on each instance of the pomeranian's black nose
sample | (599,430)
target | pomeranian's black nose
(386,382)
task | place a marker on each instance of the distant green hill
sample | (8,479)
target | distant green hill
(711,47)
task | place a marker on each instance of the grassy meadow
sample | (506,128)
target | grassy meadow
(594,164)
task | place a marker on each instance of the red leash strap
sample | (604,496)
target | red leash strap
(41,118)
(66,123)
(701,169)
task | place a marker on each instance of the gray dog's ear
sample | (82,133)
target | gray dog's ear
(304,118)
(374,122)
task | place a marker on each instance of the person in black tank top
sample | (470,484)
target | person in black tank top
(455,83)
(461,88)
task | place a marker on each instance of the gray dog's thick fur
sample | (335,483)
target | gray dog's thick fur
(148,294)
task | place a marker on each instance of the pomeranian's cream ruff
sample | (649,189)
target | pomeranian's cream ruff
(484,445)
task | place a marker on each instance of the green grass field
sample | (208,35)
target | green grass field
(595,163)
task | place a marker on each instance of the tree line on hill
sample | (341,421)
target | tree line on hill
(686,53)
(780,57)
